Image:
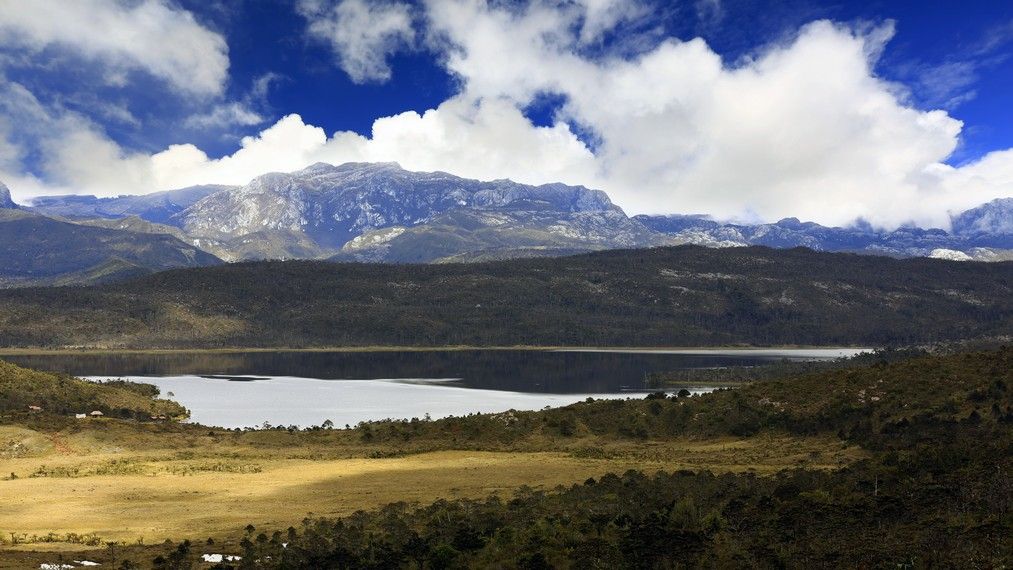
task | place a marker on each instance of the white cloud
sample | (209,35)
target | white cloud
(802,128)
(246,112)
(362,34)
(71,147)
(486,140)
(224,115)
(150,35)
(601,16)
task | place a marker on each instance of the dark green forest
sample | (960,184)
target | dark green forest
(935,491)
(683,295)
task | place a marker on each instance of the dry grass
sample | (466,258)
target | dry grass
(88,485)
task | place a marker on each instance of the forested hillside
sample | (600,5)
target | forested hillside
(667,296)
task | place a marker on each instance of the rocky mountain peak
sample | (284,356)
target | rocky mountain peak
(5,198)
(328,205)
(995,217)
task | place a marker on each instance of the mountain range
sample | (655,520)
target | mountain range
(380,212)
(984,233)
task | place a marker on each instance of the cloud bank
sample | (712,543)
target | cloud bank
(803,127)
(150,35)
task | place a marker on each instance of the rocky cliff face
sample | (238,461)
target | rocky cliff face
(993,218)
(5,198)
(330,206)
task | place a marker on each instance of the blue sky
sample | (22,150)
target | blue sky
(744,109)
(268,37)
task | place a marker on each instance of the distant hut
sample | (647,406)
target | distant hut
(96,414)
(80,416)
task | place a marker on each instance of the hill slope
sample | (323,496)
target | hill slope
(684,295)
(156,207)
(38,250)
(63,395)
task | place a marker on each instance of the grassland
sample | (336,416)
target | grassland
(88,485)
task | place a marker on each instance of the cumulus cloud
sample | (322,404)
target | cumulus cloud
(803,127)
(484,140)
(362,34)
(151,35)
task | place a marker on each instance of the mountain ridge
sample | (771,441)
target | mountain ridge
(157,207)
(381,212)
(332,205)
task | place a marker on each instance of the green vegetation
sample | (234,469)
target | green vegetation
(26,394)
(935,493)
(681,296)
(929,488)
(736,375)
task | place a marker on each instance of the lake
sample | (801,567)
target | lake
(246,389)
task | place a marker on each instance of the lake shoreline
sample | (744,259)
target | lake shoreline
(451,348)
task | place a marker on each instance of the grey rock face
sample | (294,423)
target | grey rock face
(332,205)
(993,218)
(5,198)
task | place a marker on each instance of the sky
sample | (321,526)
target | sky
(889,112)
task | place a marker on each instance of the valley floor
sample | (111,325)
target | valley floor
(74,484)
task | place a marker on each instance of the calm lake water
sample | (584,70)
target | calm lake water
(305,388)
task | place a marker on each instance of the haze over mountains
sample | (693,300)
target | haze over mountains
(984,233)
(379,212)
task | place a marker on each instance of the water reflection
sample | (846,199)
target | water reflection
(552,372)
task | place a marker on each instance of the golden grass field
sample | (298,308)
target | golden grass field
(125,491)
